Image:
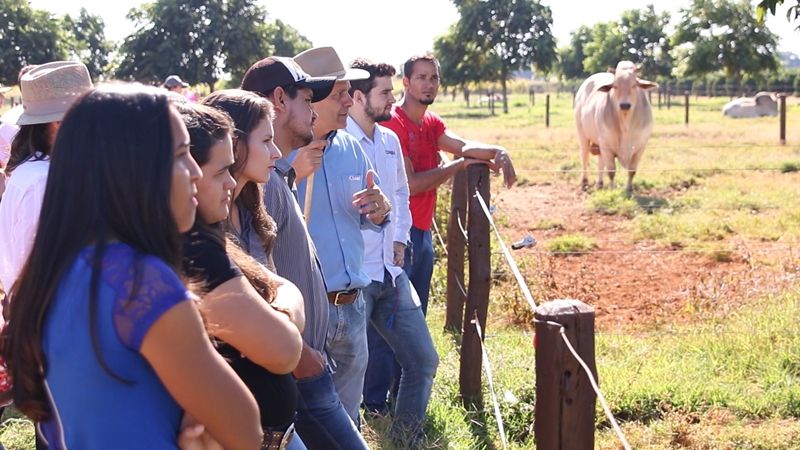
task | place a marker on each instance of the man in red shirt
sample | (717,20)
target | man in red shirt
(422,134)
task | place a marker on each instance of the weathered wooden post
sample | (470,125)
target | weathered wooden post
(660,89)
(565,400)
(456,243)
(480,272)
(491,101)
(547,111)
(782,98)
(686,107)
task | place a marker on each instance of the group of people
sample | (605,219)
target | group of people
(248,271)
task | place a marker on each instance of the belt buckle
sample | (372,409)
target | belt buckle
(336,298)
(287,437)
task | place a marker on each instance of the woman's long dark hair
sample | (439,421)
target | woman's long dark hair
(207,126)
(247,109)
(110,179)
(32,142)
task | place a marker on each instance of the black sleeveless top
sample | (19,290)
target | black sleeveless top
(205,260)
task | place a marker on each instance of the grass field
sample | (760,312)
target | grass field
(727,380)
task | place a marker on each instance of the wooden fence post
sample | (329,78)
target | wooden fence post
(782,98)
(480,272)
(659,97)
(456,243)
(686,107)
(491,101)
(565,400)
(547,111)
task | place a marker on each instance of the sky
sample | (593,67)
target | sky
(392,31)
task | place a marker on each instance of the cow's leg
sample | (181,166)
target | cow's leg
(637,155)
(606,166)
(585,164)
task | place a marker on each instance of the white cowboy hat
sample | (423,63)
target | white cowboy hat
(325,62)
(48,91)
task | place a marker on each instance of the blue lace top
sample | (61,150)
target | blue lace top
(128,408)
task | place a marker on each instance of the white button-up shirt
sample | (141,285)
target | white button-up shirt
(383,150)
(19,217)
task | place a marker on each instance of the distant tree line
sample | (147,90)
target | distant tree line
(719,46)
(195,39)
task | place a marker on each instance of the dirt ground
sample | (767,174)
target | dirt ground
(634,285)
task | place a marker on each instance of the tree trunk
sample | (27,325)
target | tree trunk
(504,76)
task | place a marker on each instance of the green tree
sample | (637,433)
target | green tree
(27,36)
(89,44)
(461,62)
(514,33)
(287,40)
(725,36)
(605,49)
(571,56)
(645,42)
(770,5)
(196,39)
(638,37)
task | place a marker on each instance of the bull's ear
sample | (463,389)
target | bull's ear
(605,87)
(644,84)
(612,70)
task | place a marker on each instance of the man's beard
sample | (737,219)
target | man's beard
(426,101)
(377,115)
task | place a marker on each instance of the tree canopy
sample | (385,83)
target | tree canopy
(515,34)
(27,36)
(723,36)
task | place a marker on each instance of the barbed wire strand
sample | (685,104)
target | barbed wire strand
(488,368)
(444,248)
(439,236)
(684,170)
(510,259)
(787,249)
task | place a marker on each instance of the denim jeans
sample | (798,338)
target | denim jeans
(347,348)
(395,313)
(321,421)
(383,375)
(419,264)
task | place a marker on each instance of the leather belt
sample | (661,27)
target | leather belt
(277,439)
(340,298)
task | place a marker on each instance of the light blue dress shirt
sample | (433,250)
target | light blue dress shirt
(385,154)
(335,224)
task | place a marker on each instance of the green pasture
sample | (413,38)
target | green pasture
(727,382)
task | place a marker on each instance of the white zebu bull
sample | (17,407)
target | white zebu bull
(763,104)
(612,112)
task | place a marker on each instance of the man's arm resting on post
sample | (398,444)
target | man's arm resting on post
(499,156)
(427,180)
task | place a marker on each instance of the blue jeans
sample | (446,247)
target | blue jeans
(395,313)
(321,420)
(347,347)
(383,372)
(419,264)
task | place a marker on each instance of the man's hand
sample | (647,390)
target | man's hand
(311,364)
(399,253)
(308,158)
(193,436)
(502,162)
(372,201)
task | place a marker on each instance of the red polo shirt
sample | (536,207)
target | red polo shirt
(420,144)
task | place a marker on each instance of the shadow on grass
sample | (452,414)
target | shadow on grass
(650,204)
(479,423)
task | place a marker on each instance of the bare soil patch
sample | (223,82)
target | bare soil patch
(633,284)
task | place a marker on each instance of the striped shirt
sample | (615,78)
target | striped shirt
(295,256)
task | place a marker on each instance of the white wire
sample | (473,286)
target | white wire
(596,388)
(488,368)
(514,268)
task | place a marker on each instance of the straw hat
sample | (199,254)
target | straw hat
(325,62)
(48,91)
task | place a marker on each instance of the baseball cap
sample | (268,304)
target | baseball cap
(269,73)
(173,81)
